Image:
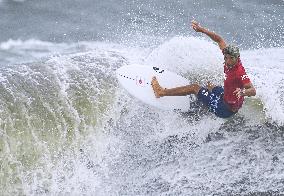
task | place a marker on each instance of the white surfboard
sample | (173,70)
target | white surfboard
(136,79)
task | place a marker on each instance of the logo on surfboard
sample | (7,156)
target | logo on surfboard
(140,81)
(158,70)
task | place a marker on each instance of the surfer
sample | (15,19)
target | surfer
(222,101)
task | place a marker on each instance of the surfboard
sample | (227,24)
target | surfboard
(136,79)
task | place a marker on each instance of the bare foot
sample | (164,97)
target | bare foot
(158,90)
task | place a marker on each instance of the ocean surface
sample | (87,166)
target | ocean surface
(68,128)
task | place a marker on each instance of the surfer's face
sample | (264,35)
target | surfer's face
(230,61)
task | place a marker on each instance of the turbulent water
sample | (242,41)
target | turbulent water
(68,128)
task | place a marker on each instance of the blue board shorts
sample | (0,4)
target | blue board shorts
(214,100)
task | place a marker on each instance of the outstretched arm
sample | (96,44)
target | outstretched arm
(215,37)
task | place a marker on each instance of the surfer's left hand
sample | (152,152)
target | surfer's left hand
(239,92)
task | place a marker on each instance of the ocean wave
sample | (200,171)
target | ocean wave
(33,50)
(49,106)
(22,51)
(67,127)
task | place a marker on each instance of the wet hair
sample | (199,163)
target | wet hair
(232,50)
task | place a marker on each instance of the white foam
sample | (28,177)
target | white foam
(183,54)
(266,69)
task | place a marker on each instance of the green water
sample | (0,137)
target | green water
(41,120)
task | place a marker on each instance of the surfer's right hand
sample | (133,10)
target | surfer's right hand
(196,27)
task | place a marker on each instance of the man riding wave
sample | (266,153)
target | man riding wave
(222,101)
